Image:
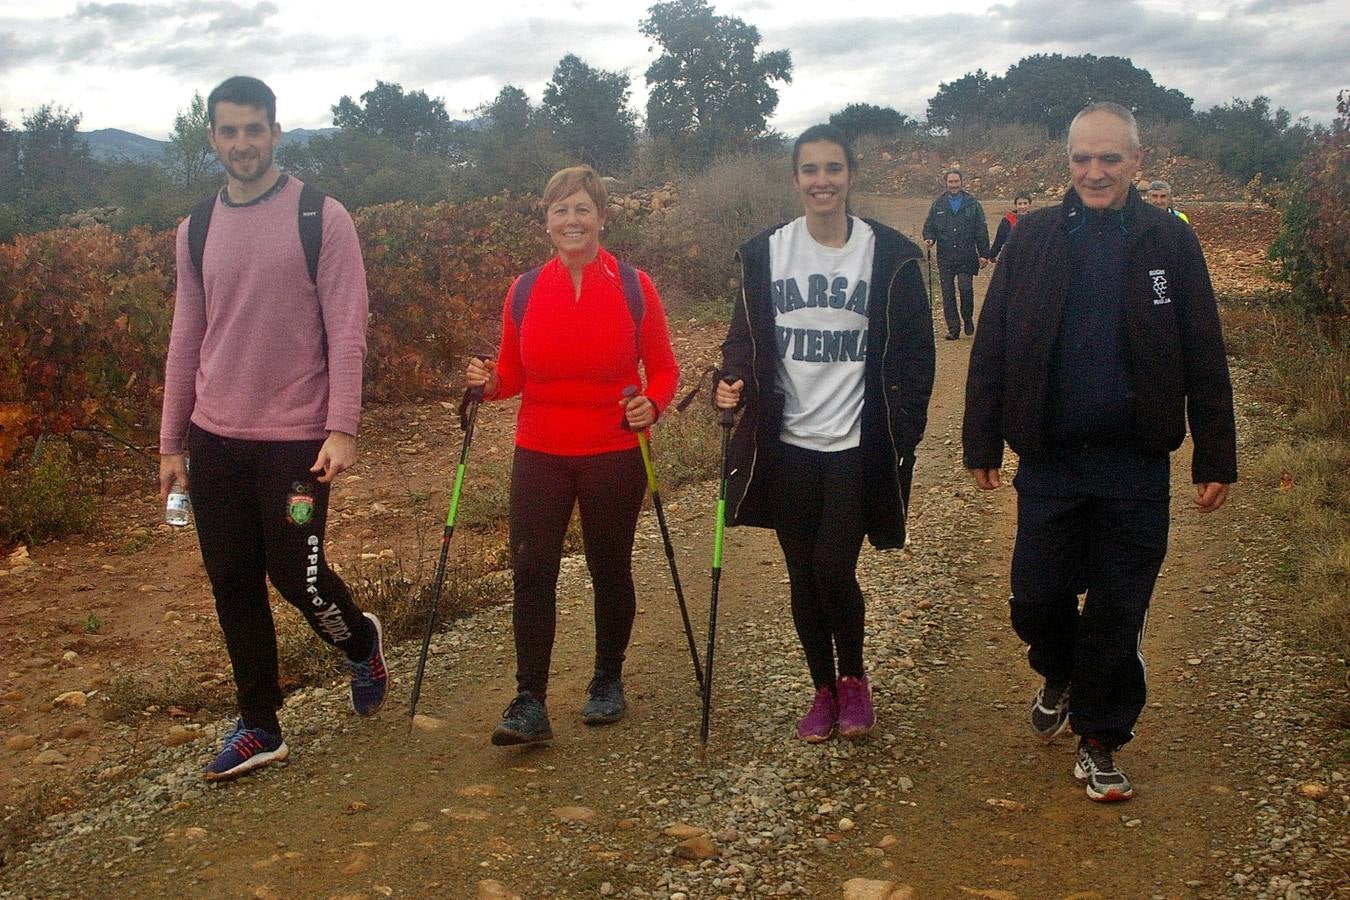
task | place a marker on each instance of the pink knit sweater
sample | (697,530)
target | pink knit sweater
(246,356)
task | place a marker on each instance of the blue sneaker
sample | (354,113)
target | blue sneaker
(370,679)
(604,700)
(245,749)
(524,722)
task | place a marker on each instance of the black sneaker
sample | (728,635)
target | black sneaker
(604,700)
(1050,711)
(970,327)
(524,722)
(1097,770)
(954,334)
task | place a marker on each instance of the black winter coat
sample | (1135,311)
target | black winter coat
(897,382)
(1177,357)
(962,237)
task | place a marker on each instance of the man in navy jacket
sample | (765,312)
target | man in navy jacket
(1099,343)
(956,223)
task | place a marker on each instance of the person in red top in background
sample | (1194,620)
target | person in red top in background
(1021,206)
(576,348)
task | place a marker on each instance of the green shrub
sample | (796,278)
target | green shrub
(1313,246)
(44,498)
(686,446)
(690,252)
(1247,138)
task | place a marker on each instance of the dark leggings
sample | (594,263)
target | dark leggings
(821,532)
(260,515)
(544,488)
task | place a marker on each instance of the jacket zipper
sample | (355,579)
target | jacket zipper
(754,374)
(886,400)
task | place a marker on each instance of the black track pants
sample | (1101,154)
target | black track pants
(821,532)
(1112,549)
(260,515)
(952,280)
(545,487)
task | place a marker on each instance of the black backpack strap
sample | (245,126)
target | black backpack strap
(311,228)
(520,295)
(632,292)
(199,222)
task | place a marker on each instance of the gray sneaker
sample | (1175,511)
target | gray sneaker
(524,722)
(604,700)
(1050,711)
(1096,769)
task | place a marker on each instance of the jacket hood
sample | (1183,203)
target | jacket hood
(893,246)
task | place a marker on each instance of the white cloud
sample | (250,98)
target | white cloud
(132,65)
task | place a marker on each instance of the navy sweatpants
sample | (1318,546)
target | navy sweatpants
(953,282)
(1112,549)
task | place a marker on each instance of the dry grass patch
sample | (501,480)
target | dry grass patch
(127,696)
(1314,497)
(1301,365)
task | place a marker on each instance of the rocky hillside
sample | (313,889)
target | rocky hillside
(904,168)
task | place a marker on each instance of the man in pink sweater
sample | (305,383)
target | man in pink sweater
(262,389)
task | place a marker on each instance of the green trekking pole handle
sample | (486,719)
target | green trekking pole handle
(655,488)
(728,419)
(468,415)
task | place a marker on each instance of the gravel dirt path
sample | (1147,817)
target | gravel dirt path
(1240,791)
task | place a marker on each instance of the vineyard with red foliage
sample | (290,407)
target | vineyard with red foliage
(85,313)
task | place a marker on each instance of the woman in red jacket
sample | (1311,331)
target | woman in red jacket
(573,333)
(1021,206)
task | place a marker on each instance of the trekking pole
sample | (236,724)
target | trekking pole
(468,414)
(930,276)
(655,488)
(728,419)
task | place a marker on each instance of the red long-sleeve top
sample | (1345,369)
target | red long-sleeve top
(574,355)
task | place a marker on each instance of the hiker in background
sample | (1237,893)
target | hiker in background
(262,389)
(956,224)
(831,350)
(1160,195)
(573,334)
(1021,206)
(1099,339)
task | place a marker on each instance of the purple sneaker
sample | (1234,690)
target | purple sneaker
(856,717)
(818,724)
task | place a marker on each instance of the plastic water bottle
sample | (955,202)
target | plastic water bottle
(178,507)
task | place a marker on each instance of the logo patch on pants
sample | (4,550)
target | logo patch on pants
(300,505)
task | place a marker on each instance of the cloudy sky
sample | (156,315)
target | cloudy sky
(132,65)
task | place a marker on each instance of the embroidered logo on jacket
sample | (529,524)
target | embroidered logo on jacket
(1160,292)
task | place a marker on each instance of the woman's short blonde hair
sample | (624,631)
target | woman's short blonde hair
(566,182)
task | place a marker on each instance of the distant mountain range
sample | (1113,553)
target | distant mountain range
(114,143)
